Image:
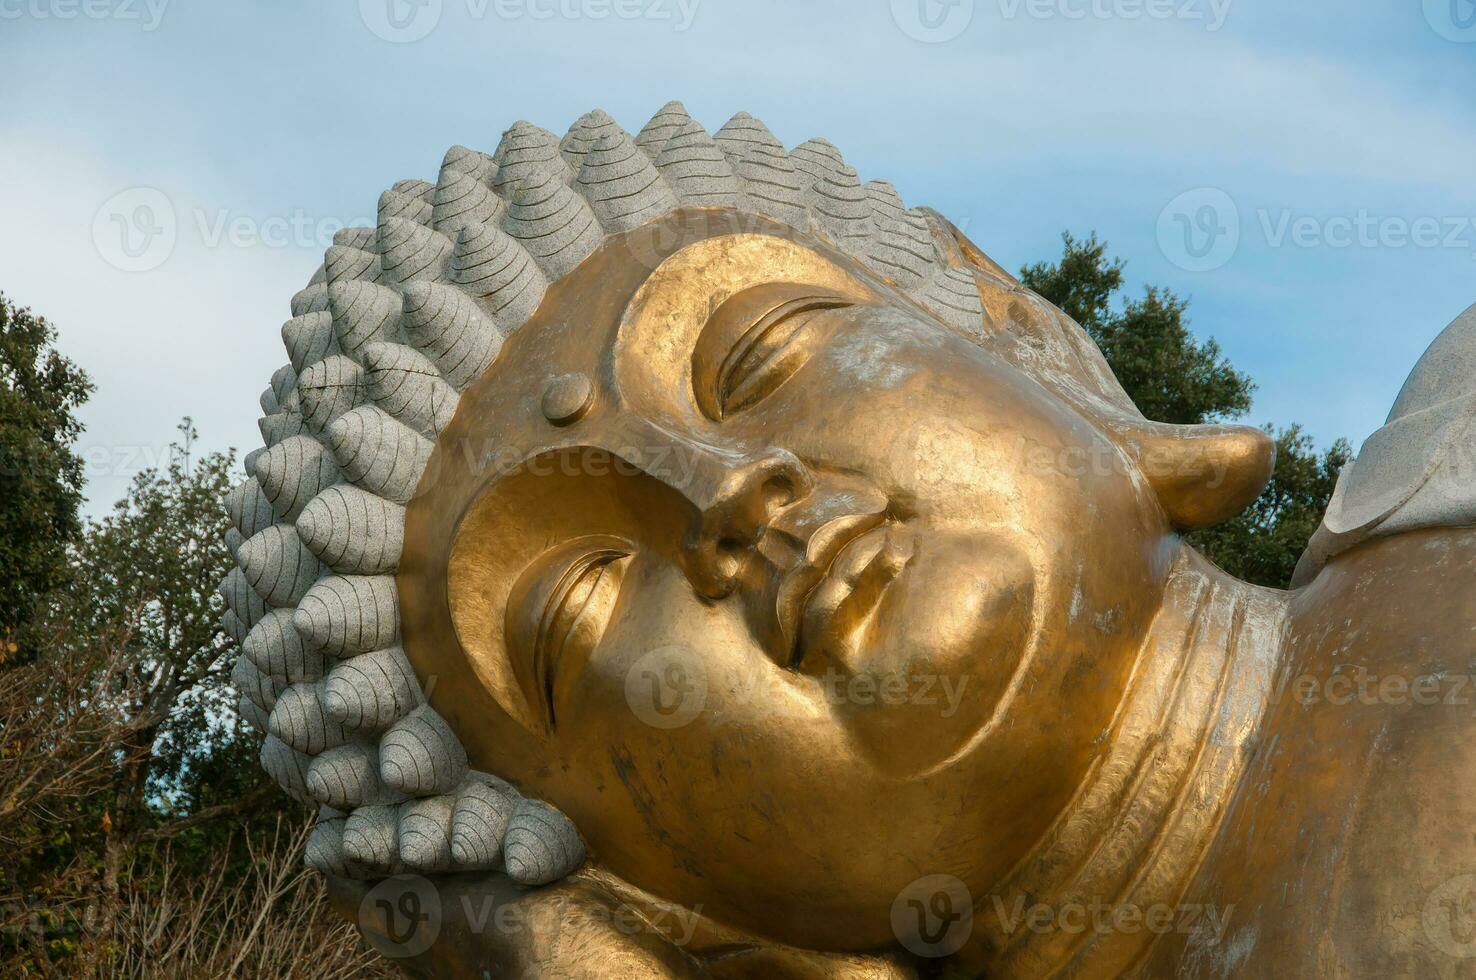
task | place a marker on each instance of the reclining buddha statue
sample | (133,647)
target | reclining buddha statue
(674,557)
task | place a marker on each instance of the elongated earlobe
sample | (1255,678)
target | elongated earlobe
(1202,474)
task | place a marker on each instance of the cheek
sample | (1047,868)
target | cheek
(947,440)
(948,639)
(673,679)
(678,725)
(651,670)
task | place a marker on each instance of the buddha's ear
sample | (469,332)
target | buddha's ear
(1202,474)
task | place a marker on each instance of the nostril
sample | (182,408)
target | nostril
(730,555)
(736,514)
(778,492)
(788,478)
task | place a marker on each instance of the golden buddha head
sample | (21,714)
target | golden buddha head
(708,506)
(784,542)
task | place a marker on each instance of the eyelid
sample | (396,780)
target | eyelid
(550,630)
(731,375)
(742,321)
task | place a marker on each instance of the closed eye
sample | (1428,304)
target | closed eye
(560,610)
(770,351)
(756,341)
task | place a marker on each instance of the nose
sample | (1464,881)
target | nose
(736,501)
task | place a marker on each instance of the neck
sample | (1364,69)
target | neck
(1121,855)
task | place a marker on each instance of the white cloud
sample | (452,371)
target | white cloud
(195,336)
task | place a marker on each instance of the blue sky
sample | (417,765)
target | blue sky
(1302,172)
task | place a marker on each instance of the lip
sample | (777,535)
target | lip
(849,564)
(850,593)
(821,551)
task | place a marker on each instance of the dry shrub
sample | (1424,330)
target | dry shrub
(273,922)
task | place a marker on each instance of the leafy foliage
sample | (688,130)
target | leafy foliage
(40,474)
(1172,377)
(149,570)
(1262,544)
(128,789)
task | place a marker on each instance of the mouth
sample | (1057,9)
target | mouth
(822,603)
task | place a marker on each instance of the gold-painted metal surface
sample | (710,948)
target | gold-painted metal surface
(1348,850)
(807,601)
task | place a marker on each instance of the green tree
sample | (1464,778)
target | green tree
(1262,544)
(138,834)
(136,629)
(136,824)
(1172,377)
(1083,284)
(148,571)
(40,474)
